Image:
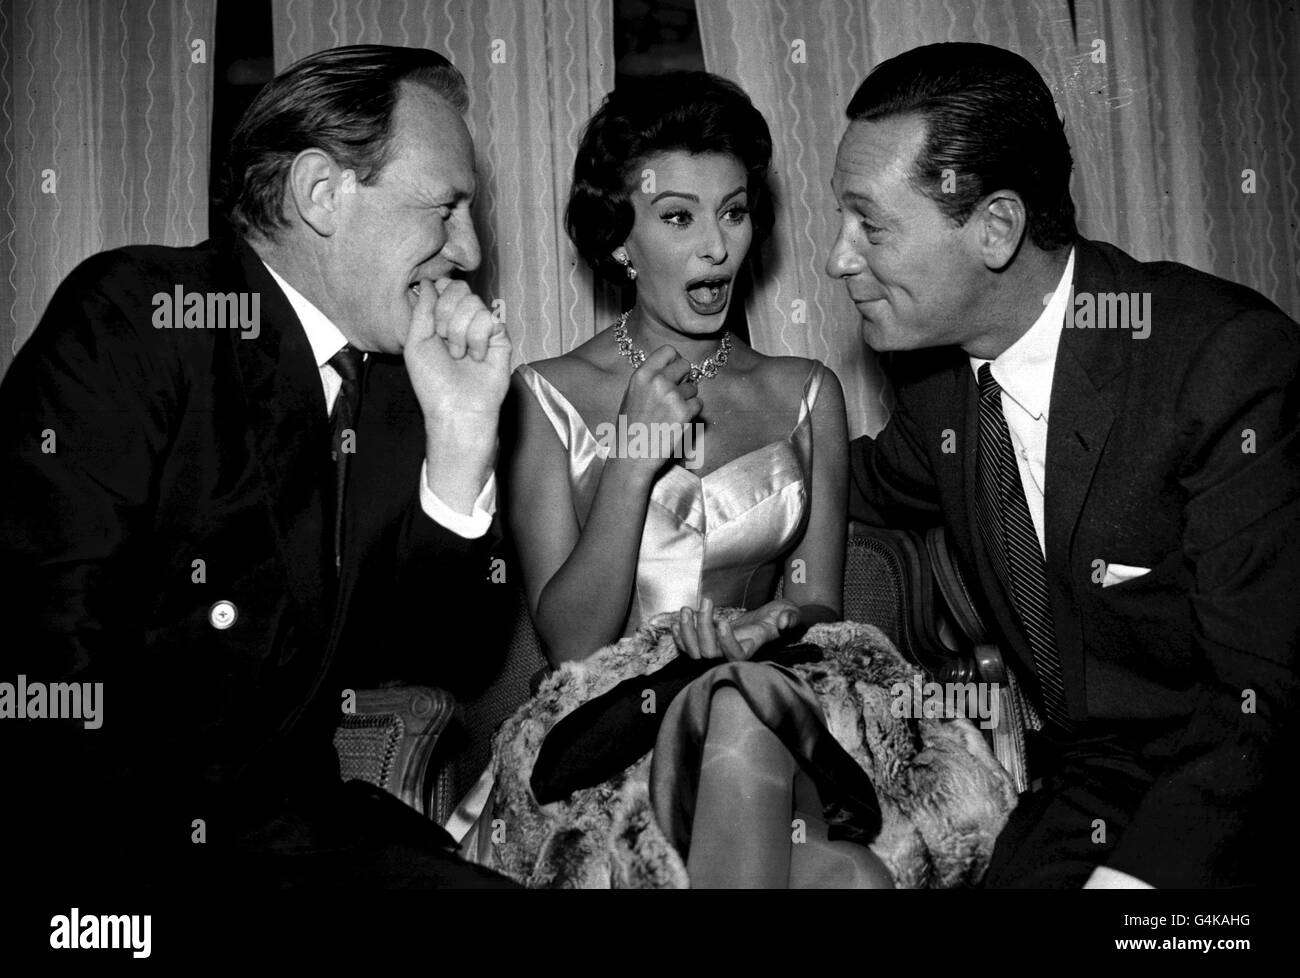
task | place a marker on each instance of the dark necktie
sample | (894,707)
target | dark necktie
(1009,532)
(343,425)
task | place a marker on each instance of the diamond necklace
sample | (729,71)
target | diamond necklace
(706,370)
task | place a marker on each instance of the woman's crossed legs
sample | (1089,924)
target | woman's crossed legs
(751,792)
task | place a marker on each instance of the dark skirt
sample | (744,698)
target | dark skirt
(668,710)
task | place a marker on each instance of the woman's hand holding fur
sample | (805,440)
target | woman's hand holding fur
(699,636)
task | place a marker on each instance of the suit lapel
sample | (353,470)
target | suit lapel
(1077,428)
(1079,422)
(286,425)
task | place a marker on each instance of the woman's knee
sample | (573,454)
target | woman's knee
(728,709)
(739,739)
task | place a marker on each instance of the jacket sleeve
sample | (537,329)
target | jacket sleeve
(88,411)
(448,611)
(891,481)
(1241,539)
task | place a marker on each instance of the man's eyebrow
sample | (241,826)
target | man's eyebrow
(853,197)
(449,194)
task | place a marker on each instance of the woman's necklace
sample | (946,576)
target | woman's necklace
(706,370)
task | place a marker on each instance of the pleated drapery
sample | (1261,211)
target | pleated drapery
(105,114)
(1182,118)
(536,70)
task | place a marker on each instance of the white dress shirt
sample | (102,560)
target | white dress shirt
(326,340)
(1024,372)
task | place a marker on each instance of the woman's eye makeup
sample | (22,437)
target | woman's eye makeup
(679,217)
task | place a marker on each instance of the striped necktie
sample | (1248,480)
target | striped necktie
(1009,533)
(343,420)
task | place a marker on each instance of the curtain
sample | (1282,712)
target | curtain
(104,111)
(800,62)
(537,70)
(1187,138)
(1166,116)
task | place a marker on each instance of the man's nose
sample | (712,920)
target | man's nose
(843,259)
(462,247)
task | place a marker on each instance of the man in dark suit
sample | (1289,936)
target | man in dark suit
(1113,448)
(244,478)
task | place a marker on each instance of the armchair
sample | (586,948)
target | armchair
(907,583)
(903,581)
(389,741)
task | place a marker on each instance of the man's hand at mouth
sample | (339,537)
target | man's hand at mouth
(458,358)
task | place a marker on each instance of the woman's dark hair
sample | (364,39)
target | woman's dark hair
(990,124)
(689,111)
(340,101)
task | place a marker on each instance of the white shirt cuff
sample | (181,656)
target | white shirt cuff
(1105,878)
(471,527)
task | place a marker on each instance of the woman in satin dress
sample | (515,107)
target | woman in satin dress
(669,197)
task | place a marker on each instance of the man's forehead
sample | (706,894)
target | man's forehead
(419,101)
(879,150)
(432,144)
(431,173)
(428,179)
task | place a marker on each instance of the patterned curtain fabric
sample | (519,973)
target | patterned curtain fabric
(104,112)
(1182,118)
(537,70)
(1187,139)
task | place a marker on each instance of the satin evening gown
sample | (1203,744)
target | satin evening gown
(721,536)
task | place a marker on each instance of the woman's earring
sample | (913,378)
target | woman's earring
(622,259)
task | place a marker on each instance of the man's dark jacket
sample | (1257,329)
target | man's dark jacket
(149,474)
(1180,453)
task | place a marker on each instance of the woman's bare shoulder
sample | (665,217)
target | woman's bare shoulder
(784,376)
(585,369)
(786,379)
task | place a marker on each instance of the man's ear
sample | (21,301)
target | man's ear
(1001,220)
(316,190)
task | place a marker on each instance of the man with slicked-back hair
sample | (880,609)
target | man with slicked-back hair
(1112,446)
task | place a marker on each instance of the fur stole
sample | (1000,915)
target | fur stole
(943,797)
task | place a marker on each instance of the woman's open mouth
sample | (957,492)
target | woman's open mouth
(708,296)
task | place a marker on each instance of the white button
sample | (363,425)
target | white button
(223,614)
